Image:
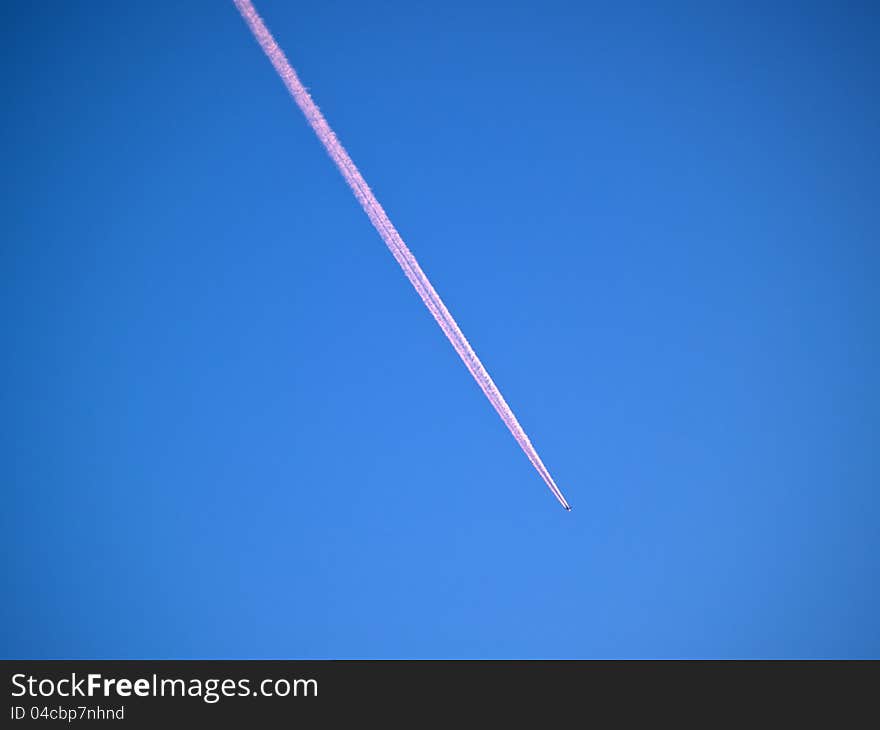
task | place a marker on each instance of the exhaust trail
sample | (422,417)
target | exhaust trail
(392,238)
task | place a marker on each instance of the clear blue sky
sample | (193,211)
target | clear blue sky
(231,429)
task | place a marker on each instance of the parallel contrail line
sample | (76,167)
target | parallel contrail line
(391,237)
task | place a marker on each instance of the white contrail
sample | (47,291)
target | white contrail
(392,238)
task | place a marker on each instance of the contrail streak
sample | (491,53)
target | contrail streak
(391,237)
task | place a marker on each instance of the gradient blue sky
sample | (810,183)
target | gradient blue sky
(231,429)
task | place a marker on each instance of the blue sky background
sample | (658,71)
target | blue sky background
(231,429)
